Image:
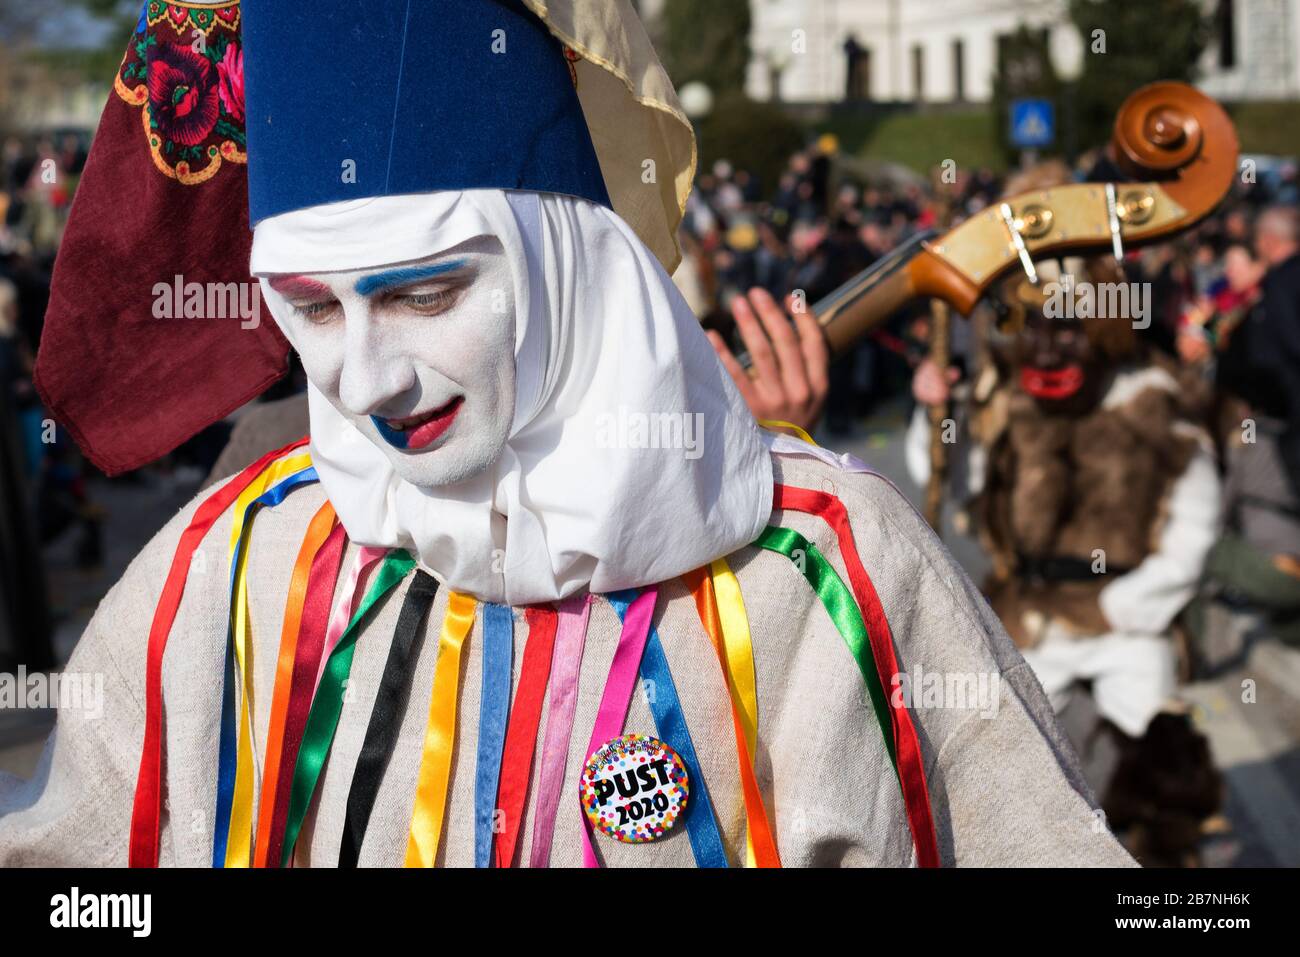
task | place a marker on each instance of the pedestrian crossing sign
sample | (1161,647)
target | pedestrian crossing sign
(1033,123)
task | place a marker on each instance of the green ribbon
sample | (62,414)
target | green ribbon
(327,705)
(838,601)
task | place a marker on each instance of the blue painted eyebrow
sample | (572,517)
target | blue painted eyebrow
(391,278)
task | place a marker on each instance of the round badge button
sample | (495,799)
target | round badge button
(634,788)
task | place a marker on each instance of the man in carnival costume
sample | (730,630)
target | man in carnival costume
(1092,485)
(535,535)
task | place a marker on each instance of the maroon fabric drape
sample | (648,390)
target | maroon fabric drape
(164,195)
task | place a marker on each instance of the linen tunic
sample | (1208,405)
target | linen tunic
(1005,787)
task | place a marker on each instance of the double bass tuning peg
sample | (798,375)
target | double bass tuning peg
(1136,205)
(1112,222)
(1131,208)
(1014,227)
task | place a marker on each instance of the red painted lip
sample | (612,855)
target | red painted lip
(425,428)
(1051,383)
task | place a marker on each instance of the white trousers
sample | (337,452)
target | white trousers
(1132,675)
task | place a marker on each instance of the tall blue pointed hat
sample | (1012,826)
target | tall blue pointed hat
(358,98)
(225,114)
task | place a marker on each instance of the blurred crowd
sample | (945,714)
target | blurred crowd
(47,488)
(822,225)
(43,491)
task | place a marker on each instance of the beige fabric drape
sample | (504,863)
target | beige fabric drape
(645,143)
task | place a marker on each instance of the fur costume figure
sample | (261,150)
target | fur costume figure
(1075,497)
(1094,490)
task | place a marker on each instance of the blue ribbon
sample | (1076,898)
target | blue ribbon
(494,711)
(227,748)
(666,709)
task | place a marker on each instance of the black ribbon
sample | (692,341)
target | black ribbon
(390,705)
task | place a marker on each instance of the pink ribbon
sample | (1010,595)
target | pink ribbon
(618,691)
(566,663)
(353,586)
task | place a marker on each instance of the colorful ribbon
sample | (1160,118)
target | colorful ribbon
(566,663)
(666,709)
(836,598)
(233,830)
(327,627)
(146,810)
(385,716)
(439,735)
(277,777)
(839,604)
(617,697)
(319,530)
(494,710)
(354,585)
(327,705)
(722,613)
(521,734)
(911,764)
(776,424)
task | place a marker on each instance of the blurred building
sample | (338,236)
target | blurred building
(38,99)
(943,51)
(45,46)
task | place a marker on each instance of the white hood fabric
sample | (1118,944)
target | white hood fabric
(609,360)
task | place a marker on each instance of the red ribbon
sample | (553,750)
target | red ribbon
(322,525)
(146,813)
(911,767)
(521,733)
(306,663)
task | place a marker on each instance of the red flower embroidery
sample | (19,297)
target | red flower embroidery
(231,71)
(181,93)
(193,99)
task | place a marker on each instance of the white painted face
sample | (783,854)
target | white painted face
(418,356)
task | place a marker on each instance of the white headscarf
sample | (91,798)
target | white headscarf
(602,337)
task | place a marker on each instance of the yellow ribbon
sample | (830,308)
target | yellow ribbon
(238,844)
(722,613)
(776,425)
(439,735)
(739,648)
(738,651)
